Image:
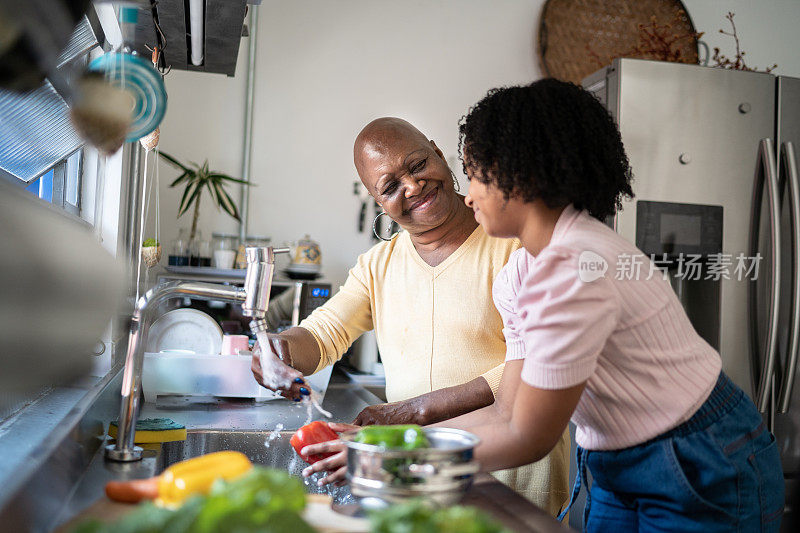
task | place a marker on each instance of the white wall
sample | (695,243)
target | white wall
(325,68)
(767,30)
(204,120)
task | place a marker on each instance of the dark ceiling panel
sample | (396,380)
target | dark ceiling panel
(224,20)
(145,32)
(172,19)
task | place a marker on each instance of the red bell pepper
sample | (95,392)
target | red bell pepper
(312,433)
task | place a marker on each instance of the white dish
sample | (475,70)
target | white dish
(185,329)
(303,268)
(211,375)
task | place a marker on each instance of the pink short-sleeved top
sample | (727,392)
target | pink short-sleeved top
(578,312)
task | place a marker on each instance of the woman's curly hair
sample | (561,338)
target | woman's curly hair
(550,140)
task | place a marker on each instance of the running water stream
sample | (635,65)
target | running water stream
(277,375)
(275,434)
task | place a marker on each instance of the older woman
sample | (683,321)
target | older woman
(427,293)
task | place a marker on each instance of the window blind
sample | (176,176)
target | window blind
(35,129)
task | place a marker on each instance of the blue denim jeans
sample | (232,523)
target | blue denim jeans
(718,471)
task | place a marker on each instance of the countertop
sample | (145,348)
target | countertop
(343,399)
(69,475)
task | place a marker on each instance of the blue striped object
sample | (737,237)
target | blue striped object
(35,132)
(142,82)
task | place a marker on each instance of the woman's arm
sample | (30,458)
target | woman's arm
(301,349)
(528,432)
(431,407)
(325,335)
(500,408)
(521,427)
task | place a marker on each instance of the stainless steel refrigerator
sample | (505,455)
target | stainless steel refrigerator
(715,176)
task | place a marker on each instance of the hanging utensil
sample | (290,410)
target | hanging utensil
(147,96)
(150,141)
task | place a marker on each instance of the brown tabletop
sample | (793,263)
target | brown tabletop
(508,507)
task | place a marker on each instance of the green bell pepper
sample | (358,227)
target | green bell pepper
(406,437)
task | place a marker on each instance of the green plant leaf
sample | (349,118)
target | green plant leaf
(235,213)
(199,177)
(225,177)
(174,162)
(184,197)
(212,188)
(182,177)
(225,201)
(185,205)
(221,200)
(195,196)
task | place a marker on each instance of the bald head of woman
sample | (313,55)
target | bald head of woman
(382,135)
(405,172)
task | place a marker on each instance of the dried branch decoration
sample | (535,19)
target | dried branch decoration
(737,63)
(656,41)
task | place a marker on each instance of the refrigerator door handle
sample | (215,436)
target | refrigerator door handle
(765,172)
(790,164)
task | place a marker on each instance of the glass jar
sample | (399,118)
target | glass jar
(204,253)
(224,241)
(223,249)
(179,249)
(195,249)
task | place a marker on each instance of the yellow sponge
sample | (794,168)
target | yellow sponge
(154,430)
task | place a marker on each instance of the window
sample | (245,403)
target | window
(61,185)
(39,149)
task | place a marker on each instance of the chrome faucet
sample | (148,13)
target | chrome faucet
(254,298)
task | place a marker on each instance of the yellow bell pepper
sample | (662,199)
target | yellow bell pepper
(195,476)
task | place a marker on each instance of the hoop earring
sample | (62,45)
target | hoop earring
(375,227)
(456,185)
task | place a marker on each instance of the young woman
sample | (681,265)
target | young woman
(671,442)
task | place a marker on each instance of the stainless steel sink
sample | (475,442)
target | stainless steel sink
(278,454)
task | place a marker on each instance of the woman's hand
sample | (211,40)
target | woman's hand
(279,375)
(412,411)
(336,464)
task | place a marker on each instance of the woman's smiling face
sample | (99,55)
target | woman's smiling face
(407,174)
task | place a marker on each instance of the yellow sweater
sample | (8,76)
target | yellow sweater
(436,327)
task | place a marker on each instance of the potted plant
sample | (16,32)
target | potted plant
(196,178)
(151,252)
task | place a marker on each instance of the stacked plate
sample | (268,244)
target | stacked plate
(303,270)
(185,331)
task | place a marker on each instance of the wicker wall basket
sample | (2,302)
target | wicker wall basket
(578,37)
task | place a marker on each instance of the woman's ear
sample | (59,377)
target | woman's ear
(436,149)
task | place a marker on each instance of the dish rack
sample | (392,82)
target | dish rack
(210,375)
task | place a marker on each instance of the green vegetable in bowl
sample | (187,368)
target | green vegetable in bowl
(399,437)
(150,242)
(405,437)
(417,517)
(264,500)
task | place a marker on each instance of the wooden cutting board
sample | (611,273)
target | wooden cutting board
(318,513)
(488,494)
(103,510)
